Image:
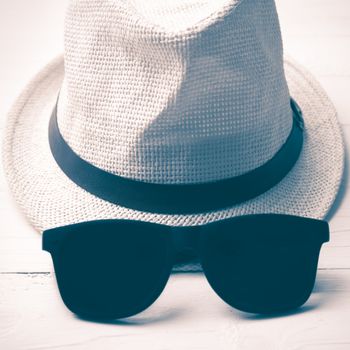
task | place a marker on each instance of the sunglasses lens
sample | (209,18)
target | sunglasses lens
(267,274)
(110,269)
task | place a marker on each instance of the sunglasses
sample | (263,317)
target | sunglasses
(111,269)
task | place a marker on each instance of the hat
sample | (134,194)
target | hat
(165,95)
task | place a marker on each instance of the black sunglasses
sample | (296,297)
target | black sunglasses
(110,269)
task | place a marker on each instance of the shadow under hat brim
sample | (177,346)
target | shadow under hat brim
(50,199)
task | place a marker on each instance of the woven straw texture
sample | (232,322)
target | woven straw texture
(165,98)
(193,98)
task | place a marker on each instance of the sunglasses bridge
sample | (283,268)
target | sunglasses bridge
(185,241)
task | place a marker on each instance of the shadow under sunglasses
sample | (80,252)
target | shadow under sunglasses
(112,269)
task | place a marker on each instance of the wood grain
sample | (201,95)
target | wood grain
(188,315)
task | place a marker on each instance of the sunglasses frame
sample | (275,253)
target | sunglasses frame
(196,237)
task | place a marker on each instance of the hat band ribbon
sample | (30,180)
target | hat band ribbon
(177,198)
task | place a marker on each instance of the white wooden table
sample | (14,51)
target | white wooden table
(188,315)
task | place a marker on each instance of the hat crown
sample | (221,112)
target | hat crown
(172,91)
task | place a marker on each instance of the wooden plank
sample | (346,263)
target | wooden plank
(188,315)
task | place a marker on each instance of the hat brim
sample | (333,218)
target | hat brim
(49,198)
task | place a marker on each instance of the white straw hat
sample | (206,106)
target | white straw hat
(171,92)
